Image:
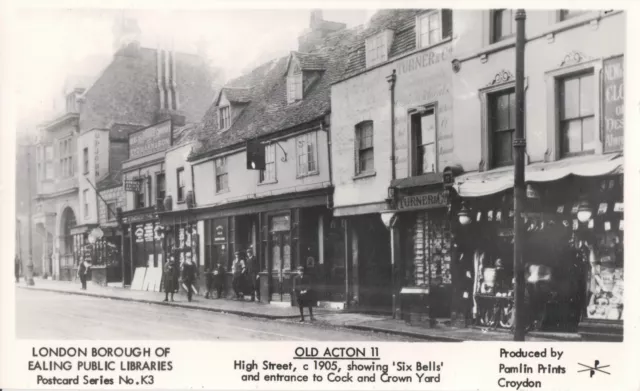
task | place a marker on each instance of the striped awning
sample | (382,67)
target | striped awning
(494,181)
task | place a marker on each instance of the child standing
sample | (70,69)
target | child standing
(209,277)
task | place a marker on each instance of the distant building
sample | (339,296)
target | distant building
(89,141)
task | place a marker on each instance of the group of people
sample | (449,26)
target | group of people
(245,280)
(244,269)
(171,279)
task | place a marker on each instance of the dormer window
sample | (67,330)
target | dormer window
(294,84)
(433,27)
(225,117)
(71,103)
(377,48)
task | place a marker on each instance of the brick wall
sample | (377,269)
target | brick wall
(115,194)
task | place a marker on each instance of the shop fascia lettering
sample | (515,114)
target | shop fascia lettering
(428,200)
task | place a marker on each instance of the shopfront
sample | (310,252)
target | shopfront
(573,249)
(425,241)
(283,231)
(146,248)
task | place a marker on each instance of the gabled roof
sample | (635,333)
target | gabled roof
(234,95)
(127,92)
(309,61)
(400,21)
(268,112)
(185,134)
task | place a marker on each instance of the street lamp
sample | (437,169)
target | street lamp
(464,216)
(584,212)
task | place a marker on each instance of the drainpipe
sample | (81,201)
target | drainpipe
(391,79)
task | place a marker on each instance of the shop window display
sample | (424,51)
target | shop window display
(606,278)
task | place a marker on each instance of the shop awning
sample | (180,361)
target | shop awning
(495,181)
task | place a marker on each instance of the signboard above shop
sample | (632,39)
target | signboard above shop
(427,200)
(153,139)
(613,105)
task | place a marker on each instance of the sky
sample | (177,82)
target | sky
(56,46)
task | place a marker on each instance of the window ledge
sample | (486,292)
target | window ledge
(268,182)
(367,174)
(299,176)
(222,191)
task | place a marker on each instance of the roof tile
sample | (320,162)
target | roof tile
(268,111)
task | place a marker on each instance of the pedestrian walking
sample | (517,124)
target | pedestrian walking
(83,270)
(169,278)
(17,266)
(218,279)
(209,280)
(304,293)
(189,274)
(252,275)
(238,268)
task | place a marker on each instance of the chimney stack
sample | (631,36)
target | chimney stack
(126,36)
(318,30)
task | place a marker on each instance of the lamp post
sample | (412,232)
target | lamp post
(519,148)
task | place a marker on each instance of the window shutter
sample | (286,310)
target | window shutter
(447,23)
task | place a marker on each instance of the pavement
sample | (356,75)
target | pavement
(325,318)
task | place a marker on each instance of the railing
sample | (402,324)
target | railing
(66,260)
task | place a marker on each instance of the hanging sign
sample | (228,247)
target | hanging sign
(613,105)
(133,186)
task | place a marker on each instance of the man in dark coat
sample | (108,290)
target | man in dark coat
(218,280)
(189,274)
(17,268)
(304,293)
(83,270)
(169,278)
(252,275)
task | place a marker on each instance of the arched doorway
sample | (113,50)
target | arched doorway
(66,243)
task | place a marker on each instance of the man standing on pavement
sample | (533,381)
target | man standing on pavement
(83,269)
(189,274)
(238,269)
(252,275)
(17,265)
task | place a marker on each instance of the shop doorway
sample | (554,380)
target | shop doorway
(280,254)
(126,260)
(374,264)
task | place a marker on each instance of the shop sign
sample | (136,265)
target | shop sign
(133,186)
(613,106)
(150,140)
(422,201)
(280,223)
(148,232)
(220,231)
(139,217)
(139,232)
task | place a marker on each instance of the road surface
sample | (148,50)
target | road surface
(47,315)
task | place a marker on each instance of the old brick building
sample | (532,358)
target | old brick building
(88,143)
